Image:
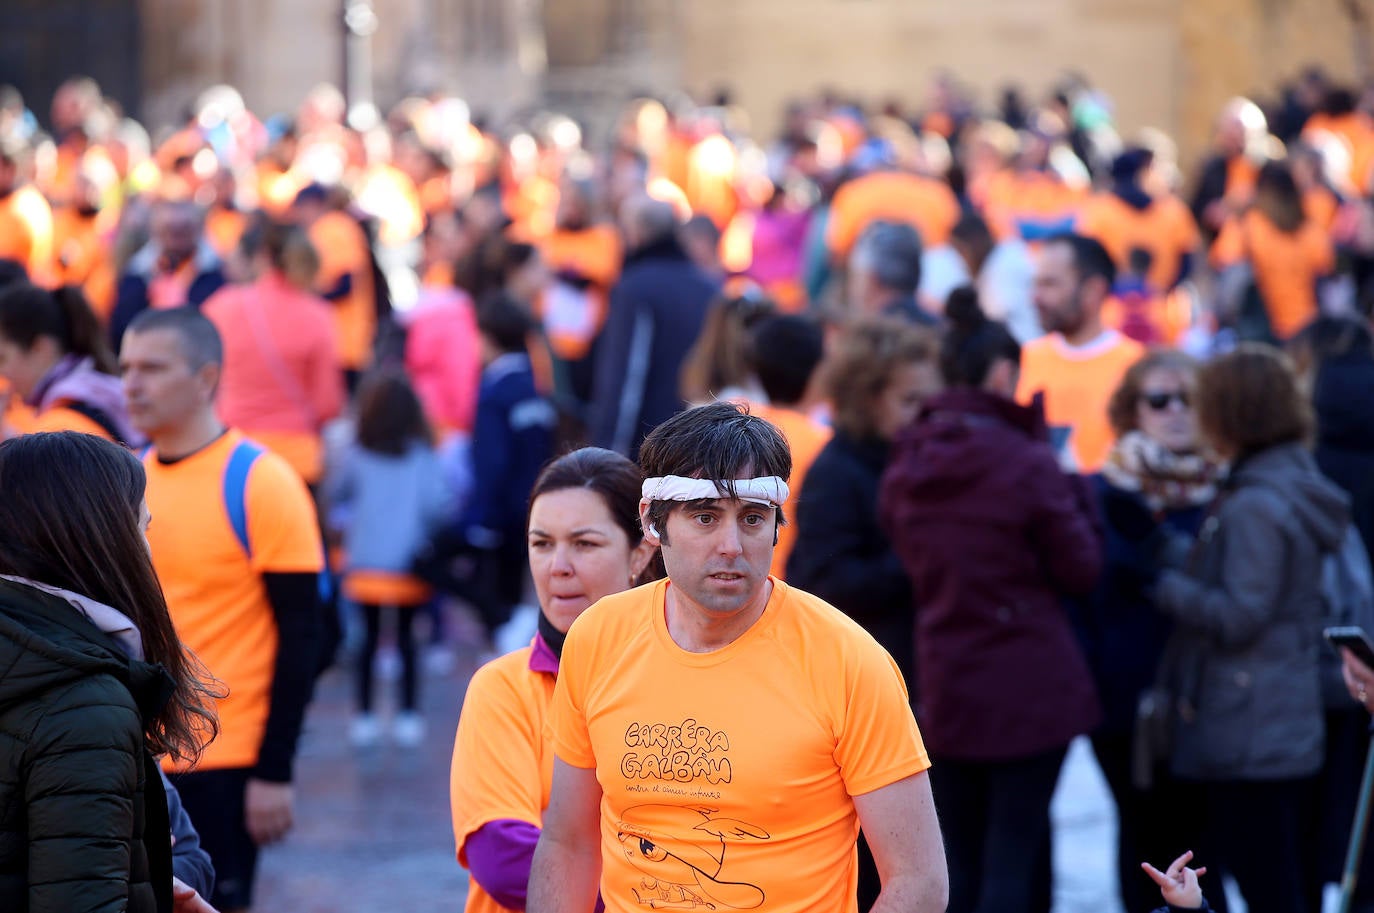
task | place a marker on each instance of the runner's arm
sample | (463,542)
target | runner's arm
(567,861)
(295,600)
(902,831)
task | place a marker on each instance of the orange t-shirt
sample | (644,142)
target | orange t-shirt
(924,203)
(215,592)
(224,229)
(82,258)
(343,251)
(281,380)
(721,771)
(60,418)
(1078,383)
(1165,228)
(573,317)
(1357,130)
(502,755)
(1031,205)
(1287,266)
(806,437)
(26,232)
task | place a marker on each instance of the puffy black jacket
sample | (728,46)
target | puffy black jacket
(83,816)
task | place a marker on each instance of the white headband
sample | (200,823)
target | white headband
(768,490)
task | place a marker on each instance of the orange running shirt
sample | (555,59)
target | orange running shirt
(806,437)
(1287,266)
(728,777)
(502,755)
(1165,228)
(1078,383)
(26,232)
(924,203)
(343,251)
(215,592)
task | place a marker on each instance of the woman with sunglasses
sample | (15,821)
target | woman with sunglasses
(1154,481)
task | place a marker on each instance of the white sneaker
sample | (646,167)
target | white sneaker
(408,729)
(365,731)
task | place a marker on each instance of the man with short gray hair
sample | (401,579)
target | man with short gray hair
(884,273)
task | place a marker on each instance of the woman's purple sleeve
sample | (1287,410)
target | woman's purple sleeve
(499,855)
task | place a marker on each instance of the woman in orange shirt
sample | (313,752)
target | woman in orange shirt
(1288,252)
(585,542)
(53,354)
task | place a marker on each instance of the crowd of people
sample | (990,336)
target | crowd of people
(987,421)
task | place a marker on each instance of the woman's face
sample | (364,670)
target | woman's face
(900,401)
(145,519)
(578,553)
(1164,409)
(24,368)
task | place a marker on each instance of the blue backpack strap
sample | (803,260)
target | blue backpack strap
(142,452)
(235,488)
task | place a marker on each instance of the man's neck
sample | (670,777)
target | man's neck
(696,632)
(1088,332)
(184,440)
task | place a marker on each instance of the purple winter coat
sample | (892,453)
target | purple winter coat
(994,535)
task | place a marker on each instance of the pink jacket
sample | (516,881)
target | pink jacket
(444,357)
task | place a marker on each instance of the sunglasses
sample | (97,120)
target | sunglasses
(1160,401)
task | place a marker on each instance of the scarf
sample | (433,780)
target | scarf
(74,379)
(109,620)
(1164,479)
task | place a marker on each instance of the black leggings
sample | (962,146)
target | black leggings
(996,821)
(1261,828)
(405,641)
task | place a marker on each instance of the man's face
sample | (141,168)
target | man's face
(1057,293)
(176,231)
(718,553)
(162,391)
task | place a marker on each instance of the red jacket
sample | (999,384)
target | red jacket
(994,535)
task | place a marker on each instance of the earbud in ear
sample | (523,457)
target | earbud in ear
(653,531)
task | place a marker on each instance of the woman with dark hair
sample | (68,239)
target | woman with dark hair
(54,355)
(585,542)
(96,684)
(1156,482)
(878,376)
(387,497)
(994,536)
(1242,662)
(1287,254)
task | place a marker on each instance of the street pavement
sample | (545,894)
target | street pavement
(373,831)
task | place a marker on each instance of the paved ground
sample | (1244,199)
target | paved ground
(374,833)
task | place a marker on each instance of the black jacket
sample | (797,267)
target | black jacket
(842,554)
(656,313)
(83,816)
(1344,402)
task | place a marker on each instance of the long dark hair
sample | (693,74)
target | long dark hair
(69,505)
(616,479)
(28,312)
(390,416)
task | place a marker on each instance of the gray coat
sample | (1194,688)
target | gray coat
(1248,615)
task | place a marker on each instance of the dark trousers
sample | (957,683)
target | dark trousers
(491,580)
(1262,828)
(1156,826)
(996,821)
(214,800)
(405,641)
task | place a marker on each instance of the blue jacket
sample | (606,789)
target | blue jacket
(656,313)
(512,439)
(131,295)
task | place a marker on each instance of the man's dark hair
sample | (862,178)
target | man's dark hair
(717,441)
(199,340)
(786,350)
(504,321)
(1090,258)
(892,250)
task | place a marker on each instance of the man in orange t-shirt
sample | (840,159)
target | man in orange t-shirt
(785,352)
(236,546)
(719,737)
(1078,363)
(25,220)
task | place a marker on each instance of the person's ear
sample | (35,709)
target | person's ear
(651,535)
(640,556)
(207,377)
